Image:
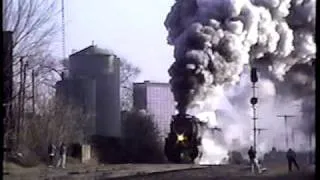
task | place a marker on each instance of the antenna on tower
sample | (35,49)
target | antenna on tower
(63,30)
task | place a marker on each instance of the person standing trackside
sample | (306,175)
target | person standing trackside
(253,161)
(51,153)
(291,157)
(62,156)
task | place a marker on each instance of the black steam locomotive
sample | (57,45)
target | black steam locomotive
(181,145)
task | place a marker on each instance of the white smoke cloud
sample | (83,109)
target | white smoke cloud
(215,39)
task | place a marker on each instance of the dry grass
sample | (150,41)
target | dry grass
(13,168)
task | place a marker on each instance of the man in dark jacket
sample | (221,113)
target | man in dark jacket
(291,157)
(51,153)
(253,161)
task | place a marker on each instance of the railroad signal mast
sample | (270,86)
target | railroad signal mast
(254,101)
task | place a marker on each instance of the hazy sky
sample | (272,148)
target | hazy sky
(133,29)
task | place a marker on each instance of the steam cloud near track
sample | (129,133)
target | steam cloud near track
(214,40)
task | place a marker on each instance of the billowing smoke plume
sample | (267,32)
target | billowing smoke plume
(215,39)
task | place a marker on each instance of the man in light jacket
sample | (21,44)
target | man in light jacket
(253,161)
(62,156)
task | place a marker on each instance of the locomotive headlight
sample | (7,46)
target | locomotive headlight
(180,137)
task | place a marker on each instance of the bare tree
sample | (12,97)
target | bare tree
(128,73)
(56,122)
(33,24)
(142,138)
(34,27)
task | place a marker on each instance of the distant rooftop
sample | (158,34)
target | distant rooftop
(93,50)
(153,83)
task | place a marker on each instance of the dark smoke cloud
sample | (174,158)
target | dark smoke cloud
(298,82)
(214,39)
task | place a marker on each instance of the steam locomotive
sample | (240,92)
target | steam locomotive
(181,145)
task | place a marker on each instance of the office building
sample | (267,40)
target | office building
(158,100)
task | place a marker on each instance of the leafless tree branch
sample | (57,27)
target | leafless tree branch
(34,26)
(128,73)
(55,122)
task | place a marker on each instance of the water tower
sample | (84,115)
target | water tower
(100,68)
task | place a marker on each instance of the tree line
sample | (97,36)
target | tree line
(39,117)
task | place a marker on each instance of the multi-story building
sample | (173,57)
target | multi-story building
(158,100)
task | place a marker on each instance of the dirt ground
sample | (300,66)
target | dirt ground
(88,172)
(229,172)
(155,171)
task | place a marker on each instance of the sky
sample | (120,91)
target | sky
(133,29)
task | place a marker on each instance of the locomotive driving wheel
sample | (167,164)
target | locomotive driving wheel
(186,156)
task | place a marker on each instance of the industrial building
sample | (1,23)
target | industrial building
(158,100)
(93,82)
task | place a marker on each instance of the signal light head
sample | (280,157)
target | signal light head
(254,100)
(253,75)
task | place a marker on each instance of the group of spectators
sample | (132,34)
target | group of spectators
(59,153)
(255,167)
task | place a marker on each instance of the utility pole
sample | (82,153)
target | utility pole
(23,99)
(293,136)
(6,87)
(254,101)
(63,30)
(310,145)
(20,104)
(33,92)
(6,97)
(285,117)
(259,130)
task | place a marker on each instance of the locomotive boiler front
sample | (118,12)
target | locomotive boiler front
(181,145)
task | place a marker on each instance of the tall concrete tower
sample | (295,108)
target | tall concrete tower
(102,68)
